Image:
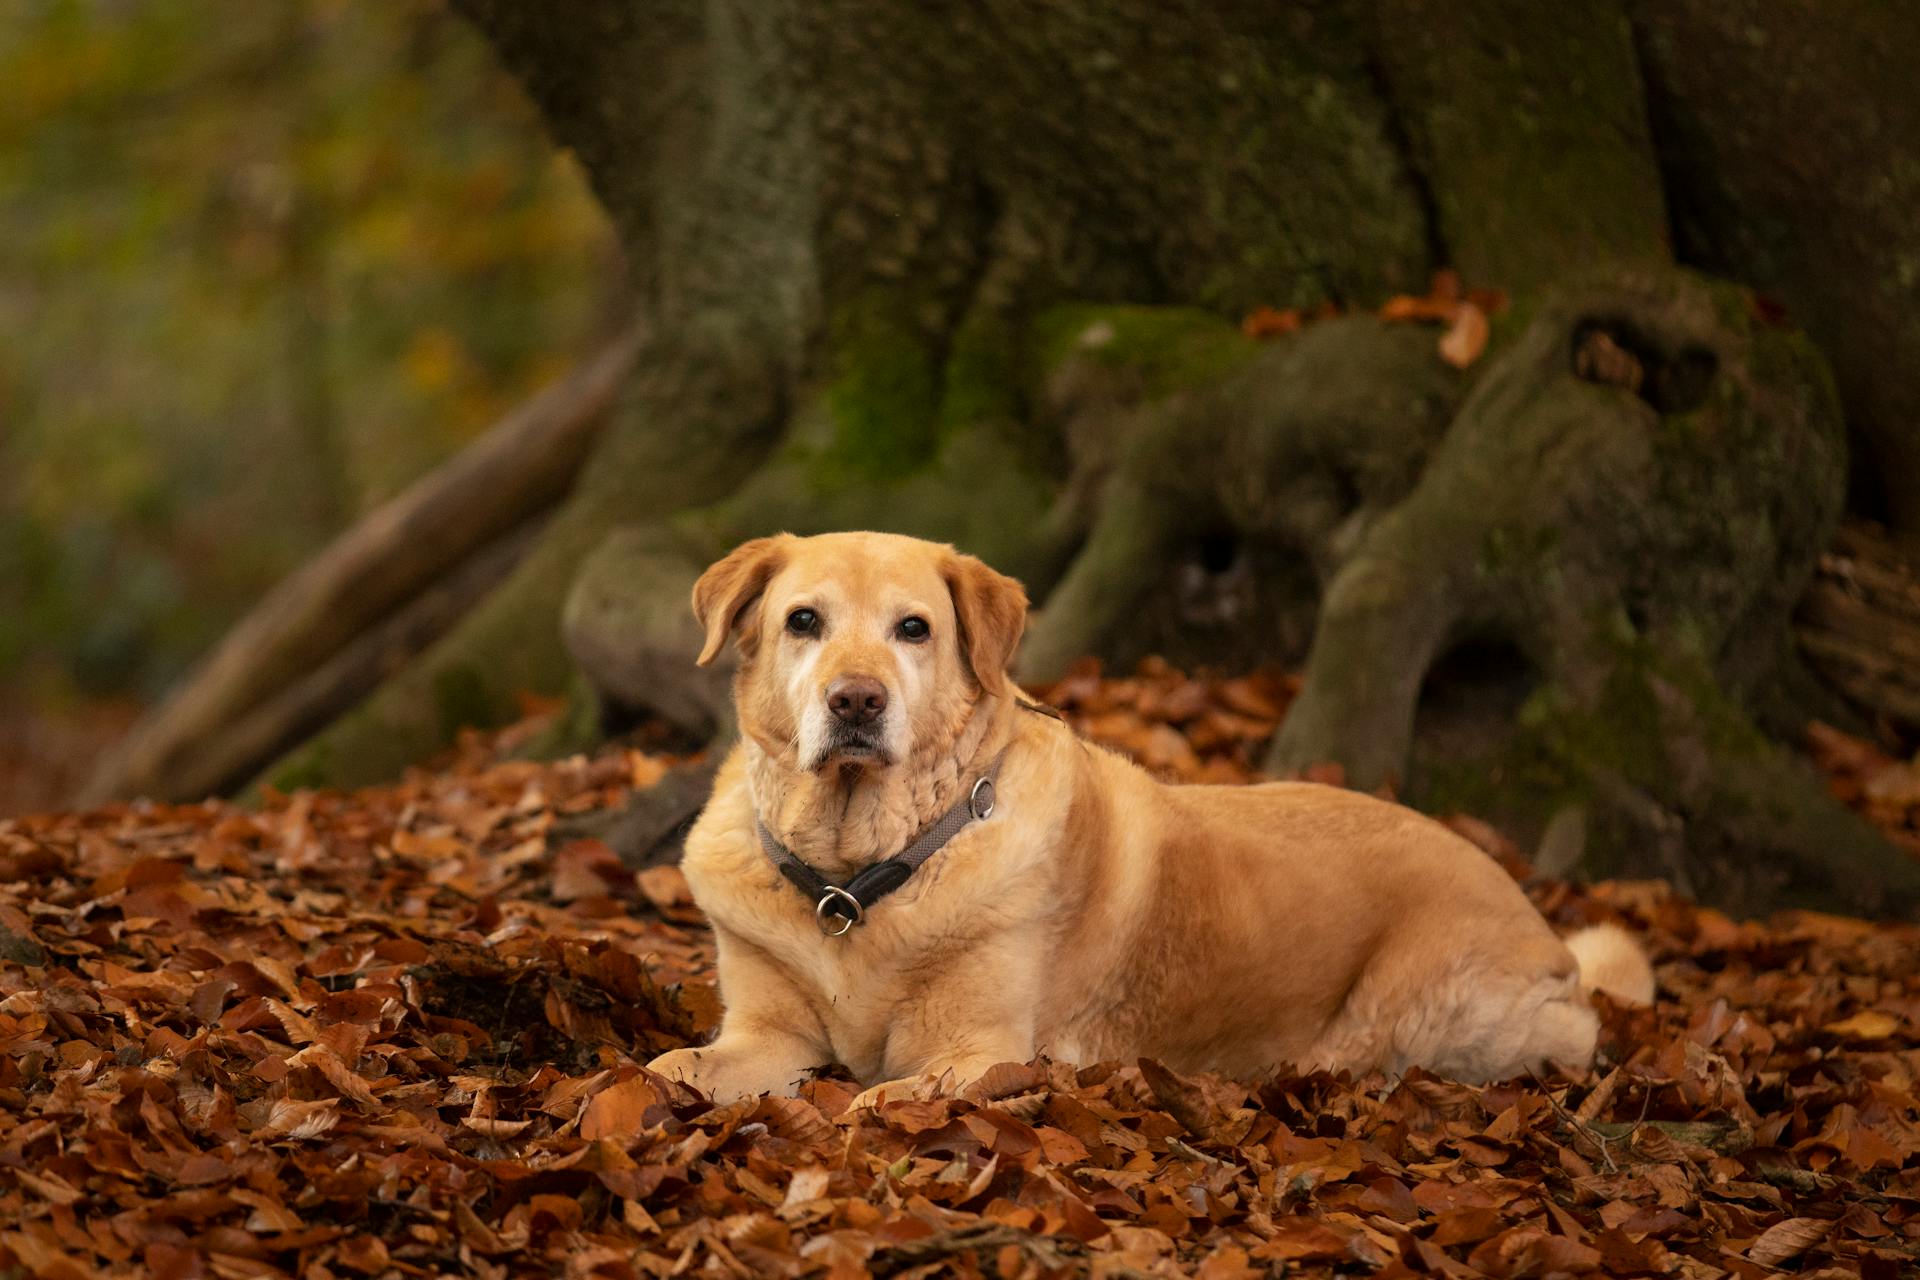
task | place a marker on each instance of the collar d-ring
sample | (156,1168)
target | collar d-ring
(980,800)
(834,893)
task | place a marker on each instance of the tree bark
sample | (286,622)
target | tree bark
(1859,625)
(970,272)
(1786,133)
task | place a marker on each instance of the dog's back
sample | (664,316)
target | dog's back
(1291,922)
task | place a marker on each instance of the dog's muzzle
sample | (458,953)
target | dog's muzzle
(849,742)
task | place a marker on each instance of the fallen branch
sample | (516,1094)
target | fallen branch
(517,470)
(1600,1135)
(237,753)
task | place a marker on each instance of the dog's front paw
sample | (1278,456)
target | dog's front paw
(920,1088)
(682,1065)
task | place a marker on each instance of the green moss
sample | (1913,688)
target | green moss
(980,383)
(883,399)
(1732,305)
(1510,550)
(309,768)
(1566,750)
(1653,686)
(463,700)
(1168,348)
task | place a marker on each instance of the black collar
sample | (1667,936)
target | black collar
(848,903)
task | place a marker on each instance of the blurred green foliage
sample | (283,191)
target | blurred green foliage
(261,264)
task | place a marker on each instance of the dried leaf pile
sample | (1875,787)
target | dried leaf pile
(1184,728)
(398,1033)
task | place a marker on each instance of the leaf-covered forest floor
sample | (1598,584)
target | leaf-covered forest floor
(399,1032)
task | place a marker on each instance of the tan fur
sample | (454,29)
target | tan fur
(1098,914)
(1611,961)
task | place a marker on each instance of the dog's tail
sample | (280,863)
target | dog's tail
(1611,961)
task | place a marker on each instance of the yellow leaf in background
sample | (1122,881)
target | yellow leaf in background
(1869,1024)
(434,358)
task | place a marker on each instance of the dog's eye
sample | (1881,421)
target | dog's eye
(914,630)
(803,622)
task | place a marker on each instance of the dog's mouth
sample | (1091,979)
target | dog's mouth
(854,747)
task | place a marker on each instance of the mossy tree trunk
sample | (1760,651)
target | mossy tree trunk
(969,272)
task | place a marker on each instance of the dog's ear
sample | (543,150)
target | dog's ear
(726,590)
(992,609)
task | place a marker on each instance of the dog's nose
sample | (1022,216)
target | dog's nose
(857,699)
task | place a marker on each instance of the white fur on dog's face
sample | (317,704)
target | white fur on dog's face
(855,635)
(931,628)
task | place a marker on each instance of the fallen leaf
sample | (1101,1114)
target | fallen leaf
(291,1118)
(1787,1239)
(618,1110)
(1265,322)
(1868,1024)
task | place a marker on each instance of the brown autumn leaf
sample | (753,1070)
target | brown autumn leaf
(1405,307)
(1302,1239)
(292,1118)
(1228,1262)
(1265,322)
(1183,1099)
(1467,1226)
(587,868)
(493,1128)
(337,1073)
(618,1111)
(1787,1239)
(794,1120)
(1532,1251)
(49,1187)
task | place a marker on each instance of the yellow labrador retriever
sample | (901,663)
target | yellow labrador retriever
(911,873)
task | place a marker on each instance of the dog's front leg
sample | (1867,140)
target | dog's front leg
(769,1036)
(740,1063)
(976,1013)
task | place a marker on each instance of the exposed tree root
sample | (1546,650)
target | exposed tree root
(1628,499)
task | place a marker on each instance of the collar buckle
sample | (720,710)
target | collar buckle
(834,893)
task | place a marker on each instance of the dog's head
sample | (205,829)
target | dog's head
(855,647)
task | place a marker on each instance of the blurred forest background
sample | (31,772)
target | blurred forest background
(261,265)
